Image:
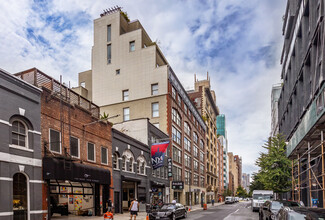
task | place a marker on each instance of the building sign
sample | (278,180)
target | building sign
(170,167)
(158,154)
(178,185)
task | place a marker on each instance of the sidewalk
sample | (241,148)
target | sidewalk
(126,215)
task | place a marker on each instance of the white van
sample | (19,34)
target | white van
(229,200)
(259,197)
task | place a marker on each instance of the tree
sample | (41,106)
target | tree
(227,192)
(275,167)
(241,192)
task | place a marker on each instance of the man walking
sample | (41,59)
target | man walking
(134,208)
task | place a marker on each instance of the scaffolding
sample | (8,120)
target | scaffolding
(308,171)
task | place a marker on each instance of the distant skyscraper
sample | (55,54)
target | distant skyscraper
(246,181)
(275,95)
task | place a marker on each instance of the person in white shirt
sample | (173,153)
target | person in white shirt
(134,208)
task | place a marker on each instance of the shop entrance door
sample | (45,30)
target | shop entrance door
(117,202)
(129,193)
(20,203)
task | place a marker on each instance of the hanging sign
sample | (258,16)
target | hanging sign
(158,154)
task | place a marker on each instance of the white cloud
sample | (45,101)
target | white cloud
(242,83)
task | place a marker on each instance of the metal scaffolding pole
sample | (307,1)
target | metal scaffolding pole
(309,177)
(299,178)
(293,182)
(323,163)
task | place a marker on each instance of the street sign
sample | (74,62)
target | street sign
(170,167)
(178,185)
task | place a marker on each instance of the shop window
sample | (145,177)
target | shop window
(104,155)
(19,133)
(74,147)
(20,190)
(91,152)
(55,141)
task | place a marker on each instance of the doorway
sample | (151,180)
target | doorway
(20,198)
(117,202)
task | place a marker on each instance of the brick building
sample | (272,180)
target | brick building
(76,149)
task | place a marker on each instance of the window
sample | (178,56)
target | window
(202,181)
(196,180)
(124,163)
(115,161)
(202,168)
(176,117)
(173,92)
(187,129)
(74,147)
(177,155)
(187,177)
(155,109)
(132,46)
(126,114)
(104,155)
(179,100)
(185,108)
(91,152)
(125,94)
(187,160)
(19,134)
(109,53)
(154,89)
(117,72)
(187,144)
(195,138)
(176,135)
(201,156)
(196,165)
(131,164)
(156,124)
(109,33)
(201,144)
(177,173)
(196,151)
(83,84)
(55,141)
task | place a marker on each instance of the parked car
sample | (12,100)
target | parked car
(229,200)
(169,211)
(300,213)
(270,209)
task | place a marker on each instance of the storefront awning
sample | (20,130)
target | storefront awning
(62,169)
(131,179)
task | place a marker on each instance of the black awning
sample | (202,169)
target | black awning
(131,179)
(62,169)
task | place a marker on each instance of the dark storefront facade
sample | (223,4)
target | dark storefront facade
(20,149)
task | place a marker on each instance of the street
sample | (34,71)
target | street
(240,211)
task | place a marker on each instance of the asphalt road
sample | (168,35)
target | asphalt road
(236,211)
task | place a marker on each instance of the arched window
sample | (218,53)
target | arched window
(176,117)
(195,137)
(19,133)
(20,198)
(127,156)
(187,128)
(141,165)
(115,161)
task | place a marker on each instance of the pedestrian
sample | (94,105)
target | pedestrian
(134,208)
(174,201)
(212,202)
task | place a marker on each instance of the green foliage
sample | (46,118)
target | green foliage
(256,184)
(125,15)
(241,192)
(227,192)
(104,116)
(275,167)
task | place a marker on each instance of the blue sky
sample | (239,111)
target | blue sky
(237,41)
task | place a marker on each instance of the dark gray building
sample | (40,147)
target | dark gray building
(301,102)
(132,171)
(20,149)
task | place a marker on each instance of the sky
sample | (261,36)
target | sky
(238,42)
